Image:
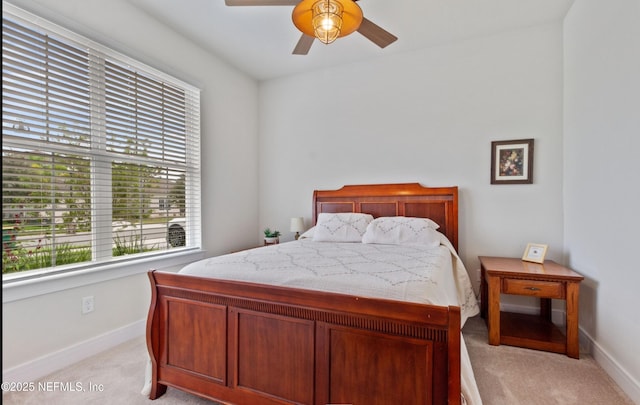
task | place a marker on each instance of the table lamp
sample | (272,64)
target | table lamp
(297,226)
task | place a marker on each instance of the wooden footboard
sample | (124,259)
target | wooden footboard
(244,343)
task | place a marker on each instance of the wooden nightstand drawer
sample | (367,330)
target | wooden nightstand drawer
(546,289)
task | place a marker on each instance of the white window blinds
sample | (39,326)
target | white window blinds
(100,154)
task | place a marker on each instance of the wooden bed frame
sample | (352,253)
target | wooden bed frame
(246,343)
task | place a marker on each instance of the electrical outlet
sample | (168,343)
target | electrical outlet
(87,305)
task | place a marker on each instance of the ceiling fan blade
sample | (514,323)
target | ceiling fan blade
(261,2)
(303,45)
(376,34)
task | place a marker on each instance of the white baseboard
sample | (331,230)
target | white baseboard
(626,382)
(45,365)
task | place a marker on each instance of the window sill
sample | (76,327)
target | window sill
(18,289)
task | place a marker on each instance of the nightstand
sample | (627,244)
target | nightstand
(546,281)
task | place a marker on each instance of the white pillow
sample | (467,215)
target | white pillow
(402,231)
(341,227)
(308,234)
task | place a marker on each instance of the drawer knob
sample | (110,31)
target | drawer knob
(532,288)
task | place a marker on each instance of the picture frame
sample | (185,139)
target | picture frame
(535,253)
(512,162)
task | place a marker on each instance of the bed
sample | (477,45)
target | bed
(254,341)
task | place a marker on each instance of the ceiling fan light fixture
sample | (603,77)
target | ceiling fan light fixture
(327,19)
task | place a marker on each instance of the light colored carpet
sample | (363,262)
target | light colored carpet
(511,375)
(505,375)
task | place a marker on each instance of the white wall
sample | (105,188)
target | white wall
(429,117)
(50,323)
(602,186)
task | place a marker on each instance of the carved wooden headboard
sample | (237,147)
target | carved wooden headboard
(440,204)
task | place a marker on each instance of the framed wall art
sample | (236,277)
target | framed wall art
(512,162)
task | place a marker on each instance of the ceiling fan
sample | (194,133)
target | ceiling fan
(325,20)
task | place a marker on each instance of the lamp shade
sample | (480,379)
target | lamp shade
(297,224)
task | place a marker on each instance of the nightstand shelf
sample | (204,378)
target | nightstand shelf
(545,281)
(532,331)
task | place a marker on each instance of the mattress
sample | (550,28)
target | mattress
(397,272)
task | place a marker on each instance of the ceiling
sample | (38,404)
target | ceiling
(259,40)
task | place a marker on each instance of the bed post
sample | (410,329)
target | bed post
(453,337)
(157,390)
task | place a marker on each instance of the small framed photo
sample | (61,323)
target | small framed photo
(512,162)
(534,253)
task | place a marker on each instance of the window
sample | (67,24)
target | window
(100,153)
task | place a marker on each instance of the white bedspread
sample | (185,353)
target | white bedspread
(404,273)
(407,273)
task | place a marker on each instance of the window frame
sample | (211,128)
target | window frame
(124,265)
